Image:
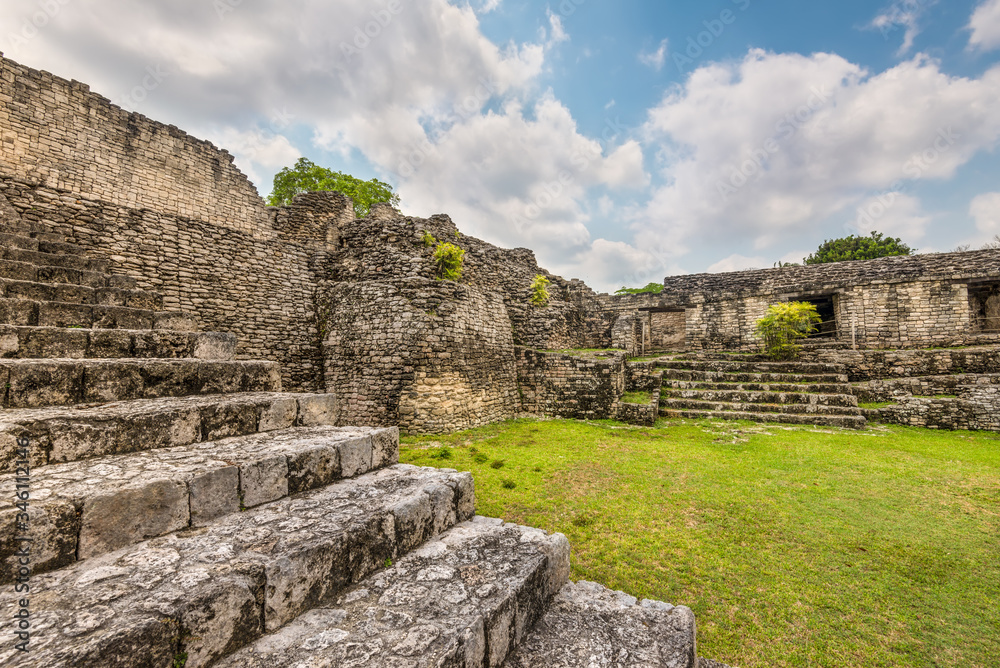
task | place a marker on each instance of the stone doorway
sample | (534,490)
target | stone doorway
(667,329)
(827,327)
(984,307)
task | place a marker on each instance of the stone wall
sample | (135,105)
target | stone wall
(865,365)
(581,386)
(891,389)
(172,212)
(897,302)
(431,356)
(58,135)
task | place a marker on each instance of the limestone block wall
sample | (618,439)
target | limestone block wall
(389,245)
(890,389)
(431,356)
(261,290)
(586,386)
(867,365)
(171,211)
(58,135)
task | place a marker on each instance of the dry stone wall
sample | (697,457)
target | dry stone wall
(60,136)
(431,356)
(582,386)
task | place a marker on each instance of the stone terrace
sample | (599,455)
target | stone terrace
(183,510)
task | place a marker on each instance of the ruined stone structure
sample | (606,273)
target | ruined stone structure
(894,302)
(182,367)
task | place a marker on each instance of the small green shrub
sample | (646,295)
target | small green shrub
(480,458)
(428,239)
(539,291)
(442,453)
(785,324)
(448,260)
(508,484)
(498,464)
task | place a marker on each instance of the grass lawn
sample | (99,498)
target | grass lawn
(794,546)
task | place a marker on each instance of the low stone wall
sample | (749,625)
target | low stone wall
(642,414)
(931,412)
(584,386)
(865,365)
(875,391)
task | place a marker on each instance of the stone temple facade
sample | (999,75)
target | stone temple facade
(198,436)
(204,396)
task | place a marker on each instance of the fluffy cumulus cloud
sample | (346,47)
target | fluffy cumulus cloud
(985,26)
(985,210)
(757,149)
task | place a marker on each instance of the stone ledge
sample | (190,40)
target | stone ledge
(590,625)
(65,434)
(464,599)
(83,509)
(207,592)
(24,342)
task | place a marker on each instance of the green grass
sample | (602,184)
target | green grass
(638,397)
(875,404)
(584,351)
(794,546)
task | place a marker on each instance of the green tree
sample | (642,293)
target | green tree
(858,248)
(785,324)
(653,288)
(307,176)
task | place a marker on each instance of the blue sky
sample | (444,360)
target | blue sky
(621,141)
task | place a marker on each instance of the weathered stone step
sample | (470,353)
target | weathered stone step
(58,342)
(590,625)
(725,377)
(27,312)
(757,407)
(34,383)
(80,262)
(198,595)
(733,366)
(59,248)
(83,509)
(23,271)
(12,239)
(65,434)
(56,290)
(846,421)
(800,397)
(821,388)
(464,599)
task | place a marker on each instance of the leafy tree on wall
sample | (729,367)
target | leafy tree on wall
(858,248)
(307,176)
(653,288)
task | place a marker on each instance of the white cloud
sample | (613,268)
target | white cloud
(557,33)
(985,210)
(487,6)
(258,153)
(654,59)
(894,214)
(985,26)
(737,262)
(753,151)
(905,14)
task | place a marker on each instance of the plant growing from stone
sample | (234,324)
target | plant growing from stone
(785,324)
(448,260)
(539,291)
(428,239)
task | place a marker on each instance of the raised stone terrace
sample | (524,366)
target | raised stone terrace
(184,511)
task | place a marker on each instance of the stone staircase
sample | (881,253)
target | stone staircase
(173,507)
(741,387)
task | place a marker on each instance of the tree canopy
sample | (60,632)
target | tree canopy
(307,176)
(654,288)
(858,248)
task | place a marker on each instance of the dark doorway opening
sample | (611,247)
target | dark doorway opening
(984,307)
(827,327)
